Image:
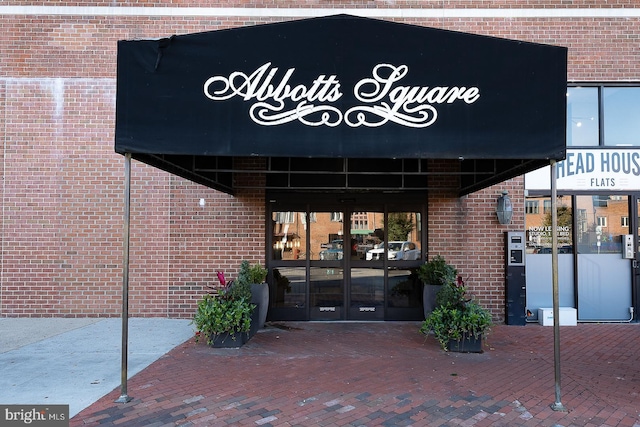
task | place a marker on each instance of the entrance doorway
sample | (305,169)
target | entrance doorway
(594,275)
(354,260)
(604,275)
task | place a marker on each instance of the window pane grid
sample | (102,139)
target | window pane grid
(603,116)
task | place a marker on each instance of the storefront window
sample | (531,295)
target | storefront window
(539,235)
(583,129)
(367,233)
(327,237)
(405,289)
(326,292)
(404,236)
(290,283)
(289,235)
(601,222)
(367,289)
(621,110)
(538,258)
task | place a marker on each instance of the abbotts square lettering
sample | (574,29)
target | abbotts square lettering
(383,99)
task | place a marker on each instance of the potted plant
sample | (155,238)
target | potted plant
(224,318)
(458,323)
(434,274)
(254,277)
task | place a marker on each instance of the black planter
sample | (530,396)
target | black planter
(260,297)
(466,345)
(255,322)
(429,293)
(227,340)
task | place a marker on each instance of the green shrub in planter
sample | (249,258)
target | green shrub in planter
(225,313)
(457,318)
(437,272)
(434,274)
(251,274)
(452,295)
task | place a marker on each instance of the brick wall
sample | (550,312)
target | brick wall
(466,232)
(60,199)
(62,184)
(203,240)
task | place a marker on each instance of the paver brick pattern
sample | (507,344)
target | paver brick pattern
(386,374)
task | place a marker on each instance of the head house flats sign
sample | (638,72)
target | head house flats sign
(341,86)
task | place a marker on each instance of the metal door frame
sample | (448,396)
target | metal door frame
(346,205)
(634,226)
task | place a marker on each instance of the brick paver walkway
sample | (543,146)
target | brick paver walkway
(386,374)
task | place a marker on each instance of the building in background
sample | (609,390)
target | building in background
(62,193)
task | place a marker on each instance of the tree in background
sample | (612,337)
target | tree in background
(399,226)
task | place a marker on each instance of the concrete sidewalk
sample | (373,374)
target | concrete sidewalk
(77,361)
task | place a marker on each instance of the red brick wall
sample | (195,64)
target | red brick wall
(63,206)
(466,232)
(202,240)
(60,199)
(62,185)
(79,47)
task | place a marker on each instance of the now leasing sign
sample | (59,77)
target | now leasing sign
(339,87)
(34,415)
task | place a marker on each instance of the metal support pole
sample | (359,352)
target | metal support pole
(557,405)
(124,397)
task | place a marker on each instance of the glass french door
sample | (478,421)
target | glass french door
(327,265)
(604,275)
(346,263)
(343,284)
(366,294)
(288,297)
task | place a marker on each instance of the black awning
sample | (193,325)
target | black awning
(340,87)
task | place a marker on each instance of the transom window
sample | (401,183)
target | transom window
(603,116)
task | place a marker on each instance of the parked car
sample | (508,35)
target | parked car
(396,251)
(333,251)
(566,249)
(362,249)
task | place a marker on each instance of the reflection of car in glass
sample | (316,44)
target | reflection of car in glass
(561,250)
(333,251)
(362,249)
(396,251)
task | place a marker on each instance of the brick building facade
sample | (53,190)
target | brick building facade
(61,201)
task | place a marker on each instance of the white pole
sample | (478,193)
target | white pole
(557,405)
